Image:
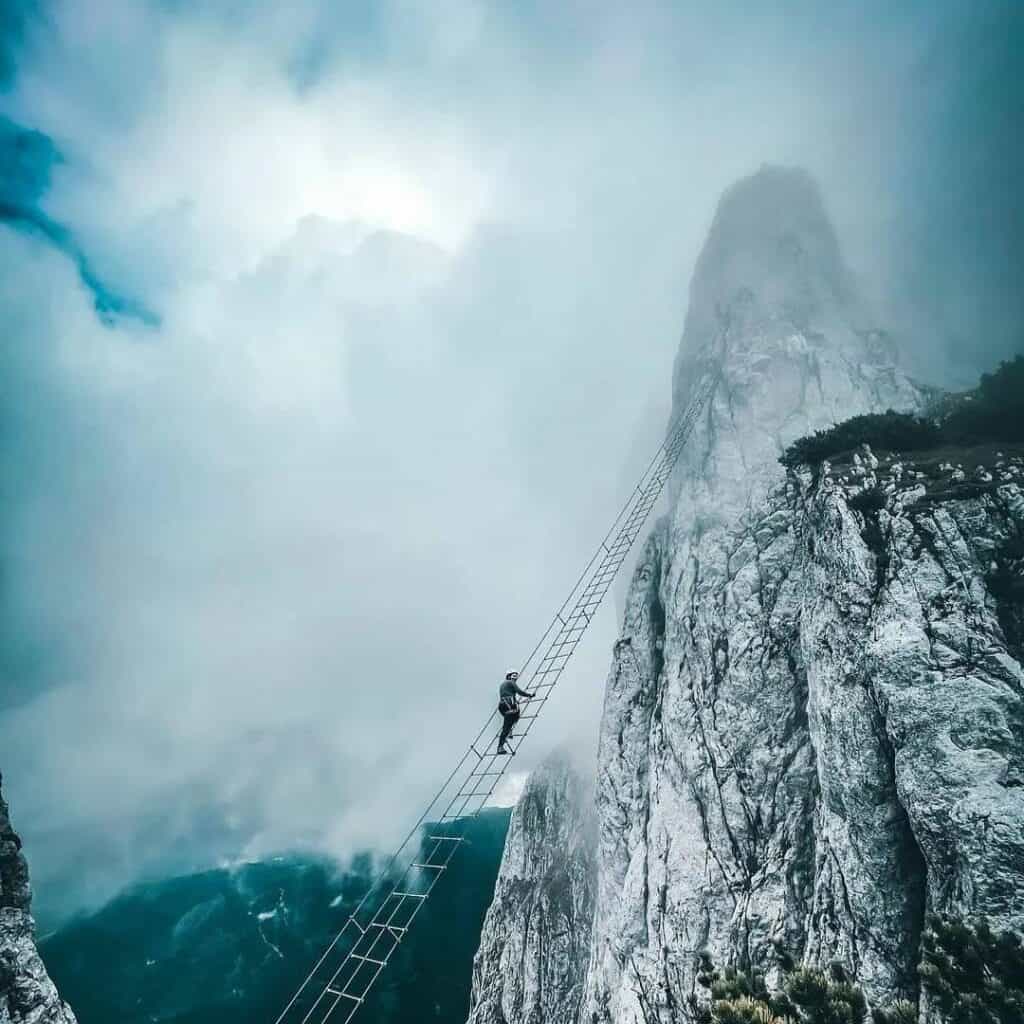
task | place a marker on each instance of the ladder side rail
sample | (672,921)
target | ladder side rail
(564,638)
(376,887)
(563,635)
(346,973)
(601,580)
(564,643)
(675,437)
(599,583)
(386,914)
(642,501)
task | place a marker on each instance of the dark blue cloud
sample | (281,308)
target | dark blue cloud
(30,662)
(14,17)
(27,158)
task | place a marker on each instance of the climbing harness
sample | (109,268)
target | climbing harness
(340,981)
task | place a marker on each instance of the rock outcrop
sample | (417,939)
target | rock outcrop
(813,723)
(536,936)
(915,701)
(707,748)
(27,995)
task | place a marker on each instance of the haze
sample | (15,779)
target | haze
(332,340)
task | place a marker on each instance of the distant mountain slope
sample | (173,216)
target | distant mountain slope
(229,945)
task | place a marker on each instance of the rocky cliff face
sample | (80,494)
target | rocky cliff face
(26,992)
(813,722)
(706,746)
(834,743)
(536,937)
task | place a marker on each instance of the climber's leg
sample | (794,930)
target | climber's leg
(510,719)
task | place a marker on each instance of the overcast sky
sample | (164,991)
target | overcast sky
(332,335)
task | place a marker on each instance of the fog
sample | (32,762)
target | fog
(332,341)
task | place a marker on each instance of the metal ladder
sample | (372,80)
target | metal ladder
(340,981)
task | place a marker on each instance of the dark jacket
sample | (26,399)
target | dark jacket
(510,690)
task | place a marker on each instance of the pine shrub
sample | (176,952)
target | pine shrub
(971,974)
(993,412)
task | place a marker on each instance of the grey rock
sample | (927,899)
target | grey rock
(813,730)
(536,936)
(723,781)
(27,995)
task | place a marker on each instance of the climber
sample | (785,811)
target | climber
(508,707)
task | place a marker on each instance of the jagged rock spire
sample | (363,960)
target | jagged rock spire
(26,991)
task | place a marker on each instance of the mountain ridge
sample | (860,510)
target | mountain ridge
(796,652)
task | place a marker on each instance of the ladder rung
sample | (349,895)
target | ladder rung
(347,995)
(449,839)
(439,867)
(410,895)
(548,663)
(368,959)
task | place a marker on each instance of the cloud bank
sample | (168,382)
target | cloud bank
(397,295)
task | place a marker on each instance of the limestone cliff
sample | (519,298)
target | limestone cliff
(813,723)
(27,996)
(536,936)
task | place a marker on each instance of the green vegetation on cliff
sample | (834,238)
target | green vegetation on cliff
(993,412)
(968,974)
